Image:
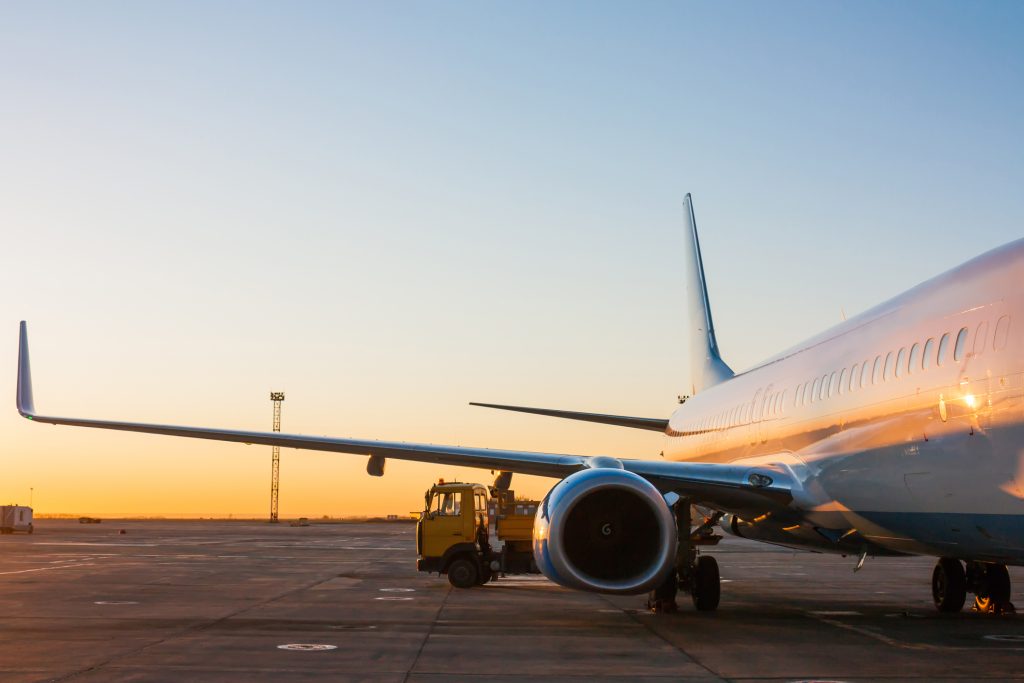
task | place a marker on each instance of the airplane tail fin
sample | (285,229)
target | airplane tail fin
(706,365)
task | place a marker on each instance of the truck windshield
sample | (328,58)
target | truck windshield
(449,503)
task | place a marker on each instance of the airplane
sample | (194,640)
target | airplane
(896,432)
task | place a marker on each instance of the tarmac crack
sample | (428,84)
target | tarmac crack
(645,625)
(426,637)
(189,630)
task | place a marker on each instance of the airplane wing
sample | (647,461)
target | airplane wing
(727,487)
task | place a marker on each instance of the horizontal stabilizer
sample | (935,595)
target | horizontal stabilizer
(651,423)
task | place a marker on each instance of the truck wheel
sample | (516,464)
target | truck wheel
(462,573)
(31,528)
(485,576)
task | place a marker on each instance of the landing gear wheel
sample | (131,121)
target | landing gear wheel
(949,585)
(462,573)
(994,594)
(707,588)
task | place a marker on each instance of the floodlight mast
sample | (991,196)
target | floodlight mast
(277,397)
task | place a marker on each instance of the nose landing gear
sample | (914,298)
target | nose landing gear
(988,581)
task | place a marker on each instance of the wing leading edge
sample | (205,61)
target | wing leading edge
(728,487)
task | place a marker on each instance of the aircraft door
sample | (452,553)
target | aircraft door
(754,411)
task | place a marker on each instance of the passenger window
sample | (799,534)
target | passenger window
(980,338)
(808,394)
(926,357)
(943,345)
(915,353)
(961,342)
(782,402)
(854,376)
(876,373)
(902,356)
(1002,332)
(887,373)
(814,390)
(832,385)
(796,397)
(864,370)
(842,380)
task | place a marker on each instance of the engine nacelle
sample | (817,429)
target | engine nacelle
(605,530)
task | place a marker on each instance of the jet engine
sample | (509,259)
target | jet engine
(605,530)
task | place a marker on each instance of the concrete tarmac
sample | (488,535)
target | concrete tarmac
(245,601)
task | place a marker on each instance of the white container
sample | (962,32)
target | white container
(15,518)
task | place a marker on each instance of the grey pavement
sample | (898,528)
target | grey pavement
(216,601)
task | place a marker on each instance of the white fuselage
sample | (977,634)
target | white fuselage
(923,454)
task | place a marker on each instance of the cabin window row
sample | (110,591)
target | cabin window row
(917,358)
(766,404)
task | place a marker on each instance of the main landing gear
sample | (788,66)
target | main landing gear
(694,574)
(988,581)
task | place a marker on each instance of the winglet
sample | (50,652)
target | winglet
(26,406)
(706,365)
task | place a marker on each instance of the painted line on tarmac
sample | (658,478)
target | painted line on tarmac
(1006,637)
(108,545)
(49,569)
(307,647)
(870,633)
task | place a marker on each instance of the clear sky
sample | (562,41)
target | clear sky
(390,209)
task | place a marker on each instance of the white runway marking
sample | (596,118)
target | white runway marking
(108,545)
(1006,638)
(47,569)
(307,647)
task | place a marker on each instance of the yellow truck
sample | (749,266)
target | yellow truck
(474,534)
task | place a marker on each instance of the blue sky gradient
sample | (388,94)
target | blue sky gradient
(389,209)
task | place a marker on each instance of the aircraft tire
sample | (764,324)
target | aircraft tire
(707,586)
(462,573)
(949,585)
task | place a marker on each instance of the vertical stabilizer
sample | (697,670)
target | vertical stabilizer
(706,365)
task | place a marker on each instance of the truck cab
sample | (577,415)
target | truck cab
(451,534)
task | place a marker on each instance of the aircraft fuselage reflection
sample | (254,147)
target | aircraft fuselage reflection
(905,423)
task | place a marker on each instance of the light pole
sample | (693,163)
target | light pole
(275,461)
